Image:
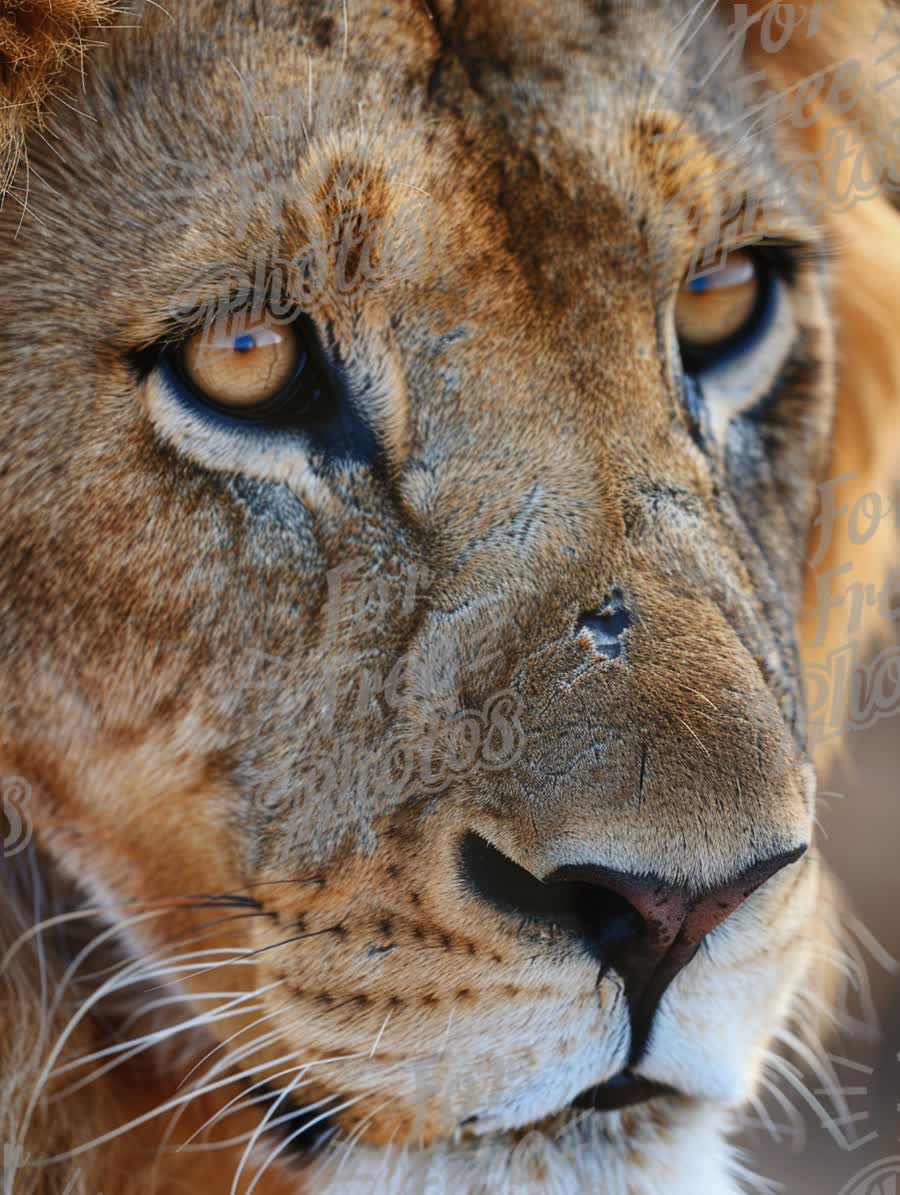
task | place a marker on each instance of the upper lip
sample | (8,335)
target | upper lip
(624,1090)
(621,1091)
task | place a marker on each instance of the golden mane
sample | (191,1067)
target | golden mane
(39,40)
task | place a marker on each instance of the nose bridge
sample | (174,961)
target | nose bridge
(652,745)
(651,735)
(649,739)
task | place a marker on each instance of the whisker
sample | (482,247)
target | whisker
(304,1128)
(303,1068)
(239,958)
(227,1063)
(153,1113)
(796,1120)
(62,919)
(261,1129)
(354,1138)
(145,1010)
(790,1075)
(233,999)
(148,1042)
(869,942)
(243,1138)
(191,1145)
(377,1041)
(223,1045)
(159,960)
(247,955)
(819,1064)
(683,42)
(765,1120)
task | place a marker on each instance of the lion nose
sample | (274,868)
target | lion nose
(646,930)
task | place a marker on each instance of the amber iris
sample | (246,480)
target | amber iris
(715,308)
(241,365)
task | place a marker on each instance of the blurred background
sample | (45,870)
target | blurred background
(855,1151)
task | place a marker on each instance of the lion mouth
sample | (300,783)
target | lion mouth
(624,1090)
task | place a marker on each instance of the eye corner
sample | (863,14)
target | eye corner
(145,356)
(144,360)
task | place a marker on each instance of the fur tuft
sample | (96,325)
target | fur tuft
(39,39)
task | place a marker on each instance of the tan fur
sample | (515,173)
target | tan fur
(177,679)
(39,39)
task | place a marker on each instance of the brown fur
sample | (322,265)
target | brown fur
(39,39)
(173,674)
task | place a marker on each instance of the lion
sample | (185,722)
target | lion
(414,425)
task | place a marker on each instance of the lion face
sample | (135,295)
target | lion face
(404,541)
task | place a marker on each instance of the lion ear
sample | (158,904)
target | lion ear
(38,41)
(840,60)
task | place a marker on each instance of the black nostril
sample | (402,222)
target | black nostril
(510,888)
(607,625)
(598,918)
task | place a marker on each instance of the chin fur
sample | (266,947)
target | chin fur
(663,1149)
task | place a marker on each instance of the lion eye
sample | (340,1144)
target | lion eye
(244,366)
(720,313)
(257,375)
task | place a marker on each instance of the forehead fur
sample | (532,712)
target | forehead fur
(261,99)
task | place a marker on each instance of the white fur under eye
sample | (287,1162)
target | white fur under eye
(229,449)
